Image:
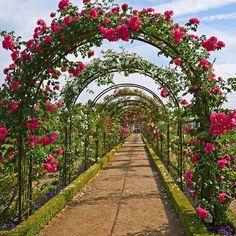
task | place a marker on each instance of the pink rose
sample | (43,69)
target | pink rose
(8,43)
(177,61)
(209,147)
(164,92)
(195,158)
(15,85)
(184,102)
(50,108)
(168,15)
(59,151)
(3,133)
(33,124)
(212,44)
(82,65)
(51,164)
(188,177)
(123,32)
(14,106)
(194,21)
(222,197)
(15,55)
(134,23)
(59,104)
(36,108)
(63,4)
(125,7)
(178,36)
(93,13)
(109,34)
(203,213)
(205,63)
(106,21)
(91,53)
(48,39)
(221,163)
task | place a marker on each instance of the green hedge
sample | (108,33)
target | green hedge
(41,217)
(232,217)
(187,214)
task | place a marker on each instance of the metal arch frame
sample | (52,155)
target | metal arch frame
(115,100)
(180,132)
(127,85)
(104,92)
(131,105)
(136,86)
(163,84)
(129,102)
(120,96)
(115,70)
(135,106)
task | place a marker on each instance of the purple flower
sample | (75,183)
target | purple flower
(225,230)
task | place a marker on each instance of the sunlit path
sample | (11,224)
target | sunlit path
(125,198)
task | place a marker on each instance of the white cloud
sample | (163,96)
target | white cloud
(183,7)
(229,16)
(225,70)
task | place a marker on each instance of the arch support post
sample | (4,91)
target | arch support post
(86,142)
(65,154)
(180,161)
(161,148)
(97,143)
(168,142)
(30,181)
(20,175)
(104,142)
(157,145)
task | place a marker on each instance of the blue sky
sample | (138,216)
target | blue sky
(218,17)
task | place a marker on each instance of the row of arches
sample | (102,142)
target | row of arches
(43,59)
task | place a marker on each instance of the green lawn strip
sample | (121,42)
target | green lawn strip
(186,212)
(42,216)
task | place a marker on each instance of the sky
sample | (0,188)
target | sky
(218,18)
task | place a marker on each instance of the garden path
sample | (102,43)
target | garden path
(125,198)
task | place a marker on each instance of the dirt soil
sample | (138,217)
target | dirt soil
(125,198)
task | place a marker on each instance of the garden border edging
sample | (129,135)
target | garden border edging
(42,216)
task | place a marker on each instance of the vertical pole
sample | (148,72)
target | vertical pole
(20,177)
(97,143)
(70,134)
(157,145)
(104,143)
(65,155)
(30,184)
(86,143)
(70,148)
(168,142)
(181,153)
(85,152)
(161,148)
(109,143)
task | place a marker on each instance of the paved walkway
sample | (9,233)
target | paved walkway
(124,199)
